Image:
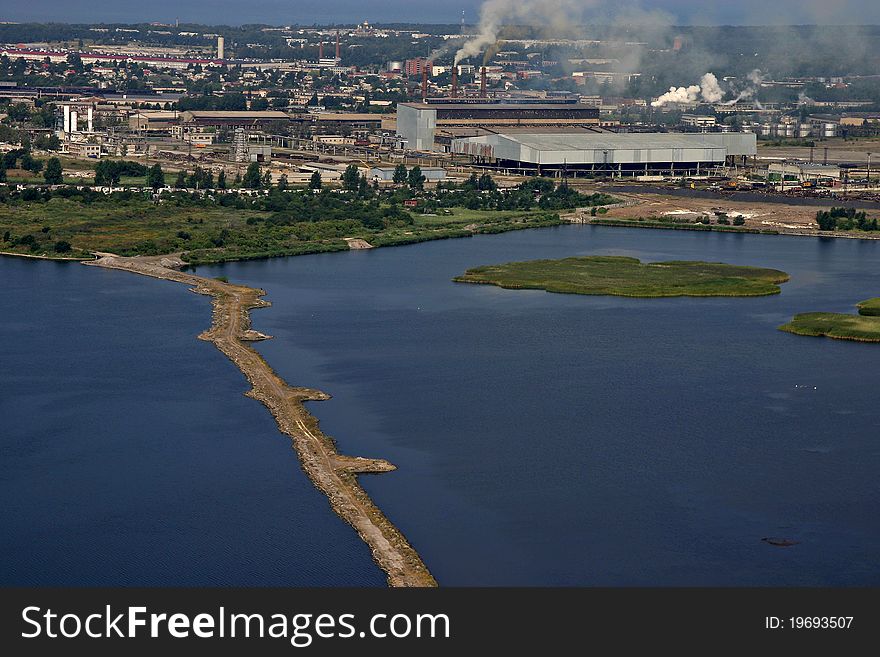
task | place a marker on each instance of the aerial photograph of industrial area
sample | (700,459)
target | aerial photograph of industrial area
(624,339)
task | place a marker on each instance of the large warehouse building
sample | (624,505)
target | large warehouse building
(418,122)
(607,153)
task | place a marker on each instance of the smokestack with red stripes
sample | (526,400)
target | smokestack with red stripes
(483,82)
(337,46)
(455,81)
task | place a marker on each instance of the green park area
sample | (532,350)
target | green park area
(622,276)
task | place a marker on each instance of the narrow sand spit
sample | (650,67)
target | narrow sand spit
(332,473)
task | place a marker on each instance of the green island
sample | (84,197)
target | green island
(629,277)
(864,327)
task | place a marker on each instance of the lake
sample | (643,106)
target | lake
(541,439)
(131,456)
(568,440)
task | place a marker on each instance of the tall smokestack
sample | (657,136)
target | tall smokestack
(455,81)
(425,82)
(483,82)
(321,51)
(337,46)
(221,51)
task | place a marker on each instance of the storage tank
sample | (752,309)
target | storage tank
(395,67)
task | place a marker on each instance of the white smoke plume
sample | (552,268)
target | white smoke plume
(804,99)
(558,15)
(438,53)
(754,79)
(708,90)
(678,95)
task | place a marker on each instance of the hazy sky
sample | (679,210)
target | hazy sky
(279,12)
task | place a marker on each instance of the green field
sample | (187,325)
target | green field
(629,277)
(213,233)
(864,327)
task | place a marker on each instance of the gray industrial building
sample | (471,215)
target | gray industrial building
(607,153)
(417,122)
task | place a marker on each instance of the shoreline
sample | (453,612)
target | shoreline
(711,228)
(334,474)
(567,219)
(41,257)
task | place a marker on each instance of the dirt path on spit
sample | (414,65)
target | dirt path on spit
(333,473)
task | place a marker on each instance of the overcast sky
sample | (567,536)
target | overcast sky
(280,12)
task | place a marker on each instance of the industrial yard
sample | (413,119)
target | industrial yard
(767,215)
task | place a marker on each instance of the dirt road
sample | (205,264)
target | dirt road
(332,473)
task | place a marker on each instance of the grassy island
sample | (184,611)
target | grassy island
(864,327)
(869,308)
(629,277)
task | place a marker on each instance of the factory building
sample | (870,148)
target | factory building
(197,125)
(348,123)
(418,122)
(153,120)
(607,153)
(414,67)
(698,121)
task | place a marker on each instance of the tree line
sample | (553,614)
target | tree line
(845,219)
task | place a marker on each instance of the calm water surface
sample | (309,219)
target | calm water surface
(130,455)
(541,439)
(555,439)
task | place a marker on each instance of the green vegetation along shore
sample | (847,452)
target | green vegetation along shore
(670,224)
(864,327)
(629,277)
(210,224)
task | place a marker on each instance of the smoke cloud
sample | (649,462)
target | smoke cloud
(557,15)
(753,85)
(708,90)
(678,95)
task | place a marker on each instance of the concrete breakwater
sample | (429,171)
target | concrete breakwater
(332,473)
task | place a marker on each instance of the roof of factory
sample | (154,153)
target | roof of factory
(349,116)
(452,105)
(235,114)
(610,141)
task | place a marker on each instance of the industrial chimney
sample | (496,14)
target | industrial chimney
(425,82)
(321,51)
(483,82)
(337,46)
(455,82)
(220,47)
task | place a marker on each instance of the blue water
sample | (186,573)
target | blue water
(563,440)
(130,455)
